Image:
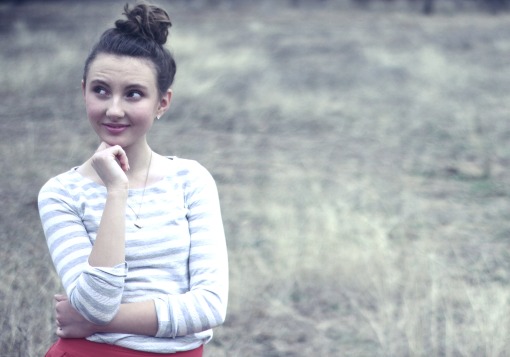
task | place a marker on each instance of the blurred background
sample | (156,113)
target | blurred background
(360,149)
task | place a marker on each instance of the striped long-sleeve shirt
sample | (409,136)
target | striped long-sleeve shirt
(178,258)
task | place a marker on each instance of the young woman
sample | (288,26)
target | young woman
(136,237)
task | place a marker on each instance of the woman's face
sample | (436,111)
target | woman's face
(122,99)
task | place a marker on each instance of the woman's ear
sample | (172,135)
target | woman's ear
(164,103)
(83,86)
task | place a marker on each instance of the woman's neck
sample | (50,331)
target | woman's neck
(139,166)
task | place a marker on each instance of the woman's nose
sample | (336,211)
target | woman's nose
(114,109)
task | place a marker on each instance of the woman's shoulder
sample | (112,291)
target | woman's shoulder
(70,180)
(187,171)
(181,166)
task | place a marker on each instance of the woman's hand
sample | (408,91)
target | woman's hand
(70,323)
(111,164)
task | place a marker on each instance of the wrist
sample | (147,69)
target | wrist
(120,192)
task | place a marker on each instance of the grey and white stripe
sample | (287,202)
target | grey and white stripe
(178,259)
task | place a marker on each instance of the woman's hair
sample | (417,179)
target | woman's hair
(142,35)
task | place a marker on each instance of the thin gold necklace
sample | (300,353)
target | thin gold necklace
(137,215)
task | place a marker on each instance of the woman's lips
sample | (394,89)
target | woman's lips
(115,128)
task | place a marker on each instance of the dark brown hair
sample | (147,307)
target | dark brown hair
(143,35)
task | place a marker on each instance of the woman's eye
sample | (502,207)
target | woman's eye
(99,90)
(135,94)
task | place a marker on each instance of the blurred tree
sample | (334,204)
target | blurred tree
(428,7)
(296,3)
(497,5)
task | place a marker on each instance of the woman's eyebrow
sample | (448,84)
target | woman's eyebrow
(98,81)
(137,86)
(128,87)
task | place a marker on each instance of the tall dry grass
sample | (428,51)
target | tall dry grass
(361,158)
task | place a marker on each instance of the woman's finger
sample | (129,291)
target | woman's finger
(117,153)
(122,158)
(59,297)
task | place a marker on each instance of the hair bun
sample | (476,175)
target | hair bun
(146,21)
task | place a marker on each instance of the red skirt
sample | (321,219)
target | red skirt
(79,347)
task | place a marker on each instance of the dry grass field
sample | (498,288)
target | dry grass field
(362,157)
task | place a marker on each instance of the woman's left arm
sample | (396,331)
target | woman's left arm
(137,318)
(204,305)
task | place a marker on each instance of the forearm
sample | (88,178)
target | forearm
(134,318)
(104,285)
(109,247)
(137,318)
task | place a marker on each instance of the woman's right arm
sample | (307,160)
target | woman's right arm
(109,247)
(94,291)
(92,274)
